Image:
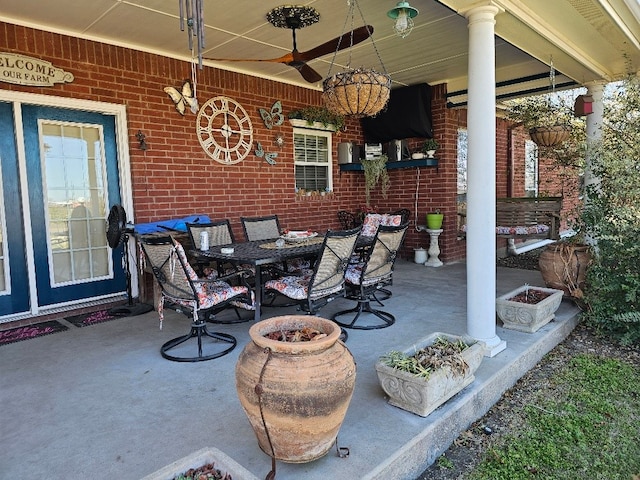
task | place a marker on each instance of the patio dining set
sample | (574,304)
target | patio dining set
(271,269)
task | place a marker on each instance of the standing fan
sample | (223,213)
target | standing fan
(118,234)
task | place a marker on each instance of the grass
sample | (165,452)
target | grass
(586,425)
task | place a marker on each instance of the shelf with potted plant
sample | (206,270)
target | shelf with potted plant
(421,162)
(316,118)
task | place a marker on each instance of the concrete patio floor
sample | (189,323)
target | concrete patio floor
(100,402)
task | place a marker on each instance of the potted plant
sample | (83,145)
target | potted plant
(423,377)
(434,220)
(429,147)
(527,308)
(317,117)
(375,171)
(207,459)
(547,118)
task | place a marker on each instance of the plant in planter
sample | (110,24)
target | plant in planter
(430,146)
(318,114)
(434,219)
(527,308)
(375,172)
(548,118)
(209,461)
(421,378)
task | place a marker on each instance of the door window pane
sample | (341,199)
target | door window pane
(75,200)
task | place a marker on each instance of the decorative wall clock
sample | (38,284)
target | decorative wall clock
(224,130)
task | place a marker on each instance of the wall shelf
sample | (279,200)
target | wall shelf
(421,162)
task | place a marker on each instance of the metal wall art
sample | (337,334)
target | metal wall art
(270,158)
(274,117)
(183,97)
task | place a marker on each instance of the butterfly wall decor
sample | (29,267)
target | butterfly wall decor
(183,97)
(270,158)
(274,117)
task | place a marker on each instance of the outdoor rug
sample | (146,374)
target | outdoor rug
(92,318)
(18,334)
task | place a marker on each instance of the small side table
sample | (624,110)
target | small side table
(434,247)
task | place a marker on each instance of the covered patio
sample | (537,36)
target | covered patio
(100,401)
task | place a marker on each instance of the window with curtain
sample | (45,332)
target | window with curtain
(312,154)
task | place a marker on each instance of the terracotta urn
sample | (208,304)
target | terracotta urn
(295,394)
(564,267)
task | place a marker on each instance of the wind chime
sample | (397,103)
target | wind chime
(192,15)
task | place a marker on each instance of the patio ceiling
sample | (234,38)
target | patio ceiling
(587,40)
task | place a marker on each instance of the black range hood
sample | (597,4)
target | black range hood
(408,115)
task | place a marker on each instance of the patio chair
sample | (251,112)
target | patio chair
(268,228)
(348,220)
(198,298)
(219,233)
(370,275)
(261,228)
(326,281)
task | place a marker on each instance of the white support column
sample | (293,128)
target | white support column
(481,180)
(594,125)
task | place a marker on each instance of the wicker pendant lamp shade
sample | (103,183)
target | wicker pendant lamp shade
(356,92)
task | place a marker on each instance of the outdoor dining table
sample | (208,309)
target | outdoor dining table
(260,253)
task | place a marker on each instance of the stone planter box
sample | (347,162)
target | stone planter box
(221,461)
(423,395)
(526,317)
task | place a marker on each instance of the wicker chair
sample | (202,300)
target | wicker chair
(219,232)
(268,228)
(348,220)
(261,228)
(370,275)
(197,297)
(326,281)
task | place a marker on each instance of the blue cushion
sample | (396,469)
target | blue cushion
(170,225)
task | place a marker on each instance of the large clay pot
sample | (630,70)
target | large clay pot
(298,392)
(564,267)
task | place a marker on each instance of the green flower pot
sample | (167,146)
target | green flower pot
(434,221)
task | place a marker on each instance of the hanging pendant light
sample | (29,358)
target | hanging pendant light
(356,92)
(403,15)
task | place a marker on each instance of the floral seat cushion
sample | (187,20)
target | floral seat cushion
(373,220)
(296,287)
(211,293)
(354,274)
(519,230)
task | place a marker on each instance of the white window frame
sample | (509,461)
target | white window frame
(328,165)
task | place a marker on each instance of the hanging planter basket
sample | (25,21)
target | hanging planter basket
(550,136)
(356,93)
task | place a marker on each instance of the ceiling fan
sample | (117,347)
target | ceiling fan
(296,17)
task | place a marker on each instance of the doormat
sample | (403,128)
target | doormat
(92,318)
(31,331)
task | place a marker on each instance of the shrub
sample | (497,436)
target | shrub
(611,217)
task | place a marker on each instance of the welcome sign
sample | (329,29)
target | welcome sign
(22,70)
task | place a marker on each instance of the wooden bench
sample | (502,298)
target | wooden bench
(527,217)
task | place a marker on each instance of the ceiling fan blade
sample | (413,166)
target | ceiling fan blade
(308,73)
(287,58)
(339,43)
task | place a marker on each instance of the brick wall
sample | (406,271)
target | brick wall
(175,177)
